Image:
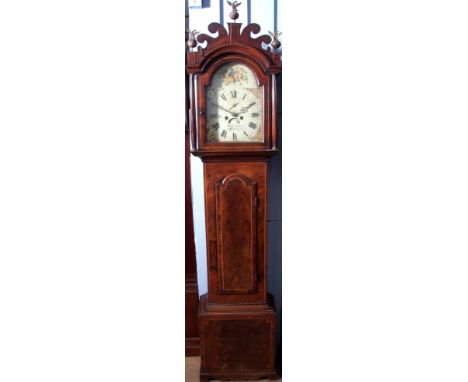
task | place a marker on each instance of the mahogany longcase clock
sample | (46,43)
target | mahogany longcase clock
(233,129)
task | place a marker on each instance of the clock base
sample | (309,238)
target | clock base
(237,342)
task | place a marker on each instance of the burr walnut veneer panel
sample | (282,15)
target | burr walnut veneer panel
(236,225)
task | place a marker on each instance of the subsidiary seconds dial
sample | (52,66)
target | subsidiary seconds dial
(234,106)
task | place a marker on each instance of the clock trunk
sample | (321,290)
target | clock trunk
(235,211)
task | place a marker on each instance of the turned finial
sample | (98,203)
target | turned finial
(192,40)
(275,44)
(234,15)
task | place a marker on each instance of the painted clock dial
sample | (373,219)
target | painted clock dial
(234,110)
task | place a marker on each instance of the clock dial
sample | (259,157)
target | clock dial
(234,106)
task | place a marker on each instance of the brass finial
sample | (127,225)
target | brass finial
(275,44)
(234,15)
(192,41)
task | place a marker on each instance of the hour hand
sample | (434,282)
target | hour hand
(246,108)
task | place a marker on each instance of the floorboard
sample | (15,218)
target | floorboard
(192,369)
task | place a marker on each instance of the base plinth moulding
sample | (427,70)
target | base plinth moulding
(237,341)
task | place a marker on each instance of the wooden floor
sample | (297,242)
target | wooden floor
(192,369)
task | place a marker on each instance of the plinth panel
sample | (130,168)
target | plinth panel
(238,344)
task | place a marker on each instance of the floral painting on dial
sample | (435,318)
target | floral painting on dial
(235,74)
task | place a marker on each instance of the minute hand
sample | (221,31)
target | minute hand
(222,108)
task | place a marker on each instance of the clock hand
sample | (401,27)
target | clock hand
(245,109)
(222,108)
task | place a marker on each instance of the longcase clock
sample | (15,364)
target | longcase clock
(233,129)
